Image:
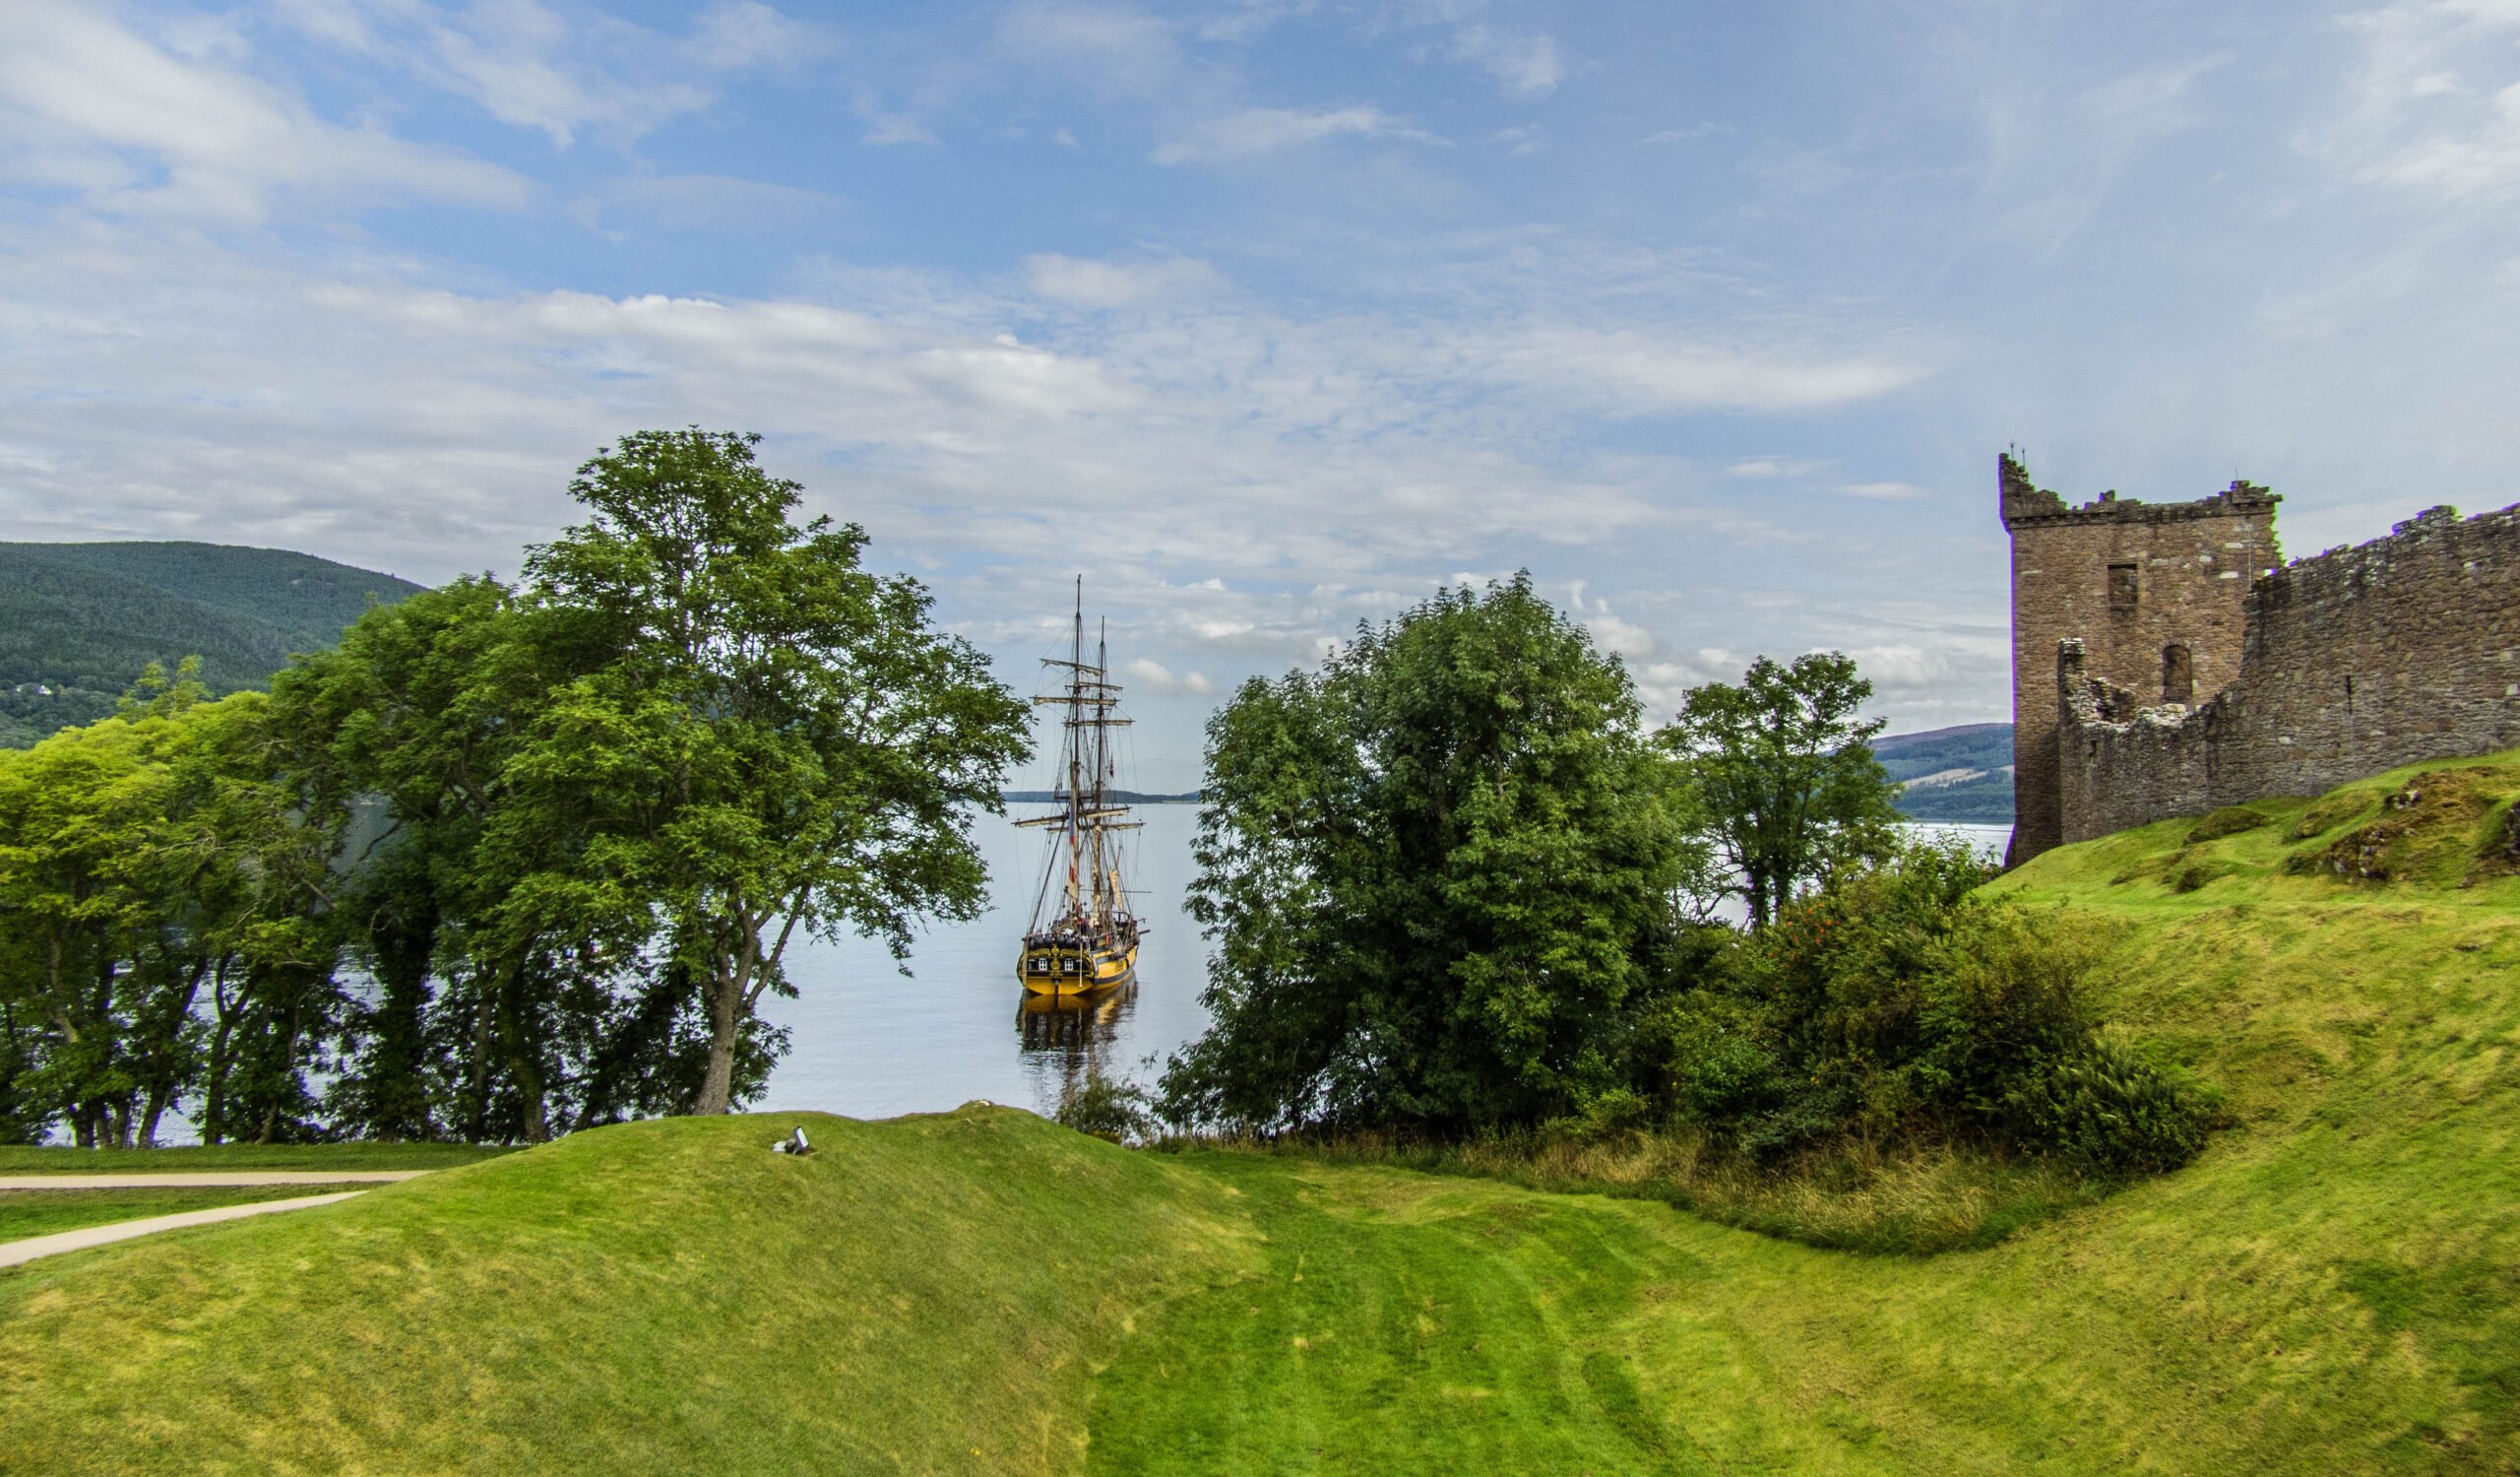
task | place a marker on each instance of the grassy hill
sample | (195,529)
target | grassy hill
(2330,1289)
(1960,774)
(81,619)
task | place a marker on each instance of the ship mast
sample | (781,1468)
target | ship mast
(1094,902)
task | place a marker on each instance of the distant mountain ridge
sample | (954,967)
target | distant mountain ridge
(1958,774)
(79,621)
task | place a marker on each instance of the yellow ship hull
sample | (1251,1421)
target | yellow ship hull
(1075,971)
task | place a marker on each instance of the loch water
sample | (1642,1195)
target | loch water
(870,1041)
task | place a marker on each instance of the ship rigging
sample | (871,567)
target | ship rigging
(1083,936)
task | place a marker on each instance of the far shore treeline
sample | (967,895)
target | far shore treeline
(513,860)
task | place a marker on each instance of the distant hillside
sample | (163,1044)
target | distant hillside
(78,622)
(1960,774)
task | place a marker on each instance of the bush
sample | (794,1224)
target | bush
(1106,1108)
(2111,1112)
(1707,1055)
(1893,1008)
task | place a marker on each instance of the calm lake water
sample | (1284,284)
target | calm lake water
(868,1041)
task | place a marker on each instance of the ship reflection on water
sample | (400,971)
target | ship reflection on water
(1066,1035)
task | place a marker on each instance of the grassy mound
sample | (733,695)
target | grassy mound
(2328,1289)
(920,1295)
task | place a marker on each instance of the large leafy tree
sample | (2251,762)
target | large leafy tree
(146,860)
(770,739)
(1781,777)
(1430,871)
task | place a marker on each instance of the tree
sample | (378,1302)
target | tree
(773,738)
(1430,871)
(141,858)
(1782,776)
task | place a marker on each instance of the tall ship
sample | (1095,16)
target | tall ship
(1083,936)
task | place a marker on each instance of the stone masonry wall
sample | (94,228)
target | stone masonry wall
(2129,581)
(2356,661)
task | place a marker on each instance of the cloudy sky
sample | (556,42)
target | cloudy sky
(1278,316)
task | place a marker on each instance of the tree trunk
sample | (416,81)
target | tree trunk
(148,1137)
(213,1120)
(719,1087)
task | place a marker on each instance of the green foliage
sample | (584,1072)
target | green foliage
(1430,871)
(1891,1008)
(2108,1109)
(1106,1107)
(1780,776)
(763,738)
(160,904)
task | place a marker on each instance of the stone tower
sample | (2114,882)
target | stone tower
(2154,591)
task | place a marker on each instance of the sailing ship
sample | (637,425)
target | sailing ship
(1083,937)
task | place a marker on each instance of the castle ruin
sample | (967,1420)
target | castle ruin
(2166,662)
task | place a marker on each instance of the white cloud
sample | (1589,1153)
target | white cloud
(1758,468)
(2435,101)
(563,75)
(1887,491)
(884,129)
(1686,135)
(1632,372)
(1113,51)
(747,34)
(1524,66)
(1624,637)
(1093,284)
(1156,677)
(86,104)
(1262,130)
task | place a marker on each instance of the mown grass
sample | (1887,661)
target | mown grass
(2333,1287)
(353,1158)
(42,1212)
(921,1295)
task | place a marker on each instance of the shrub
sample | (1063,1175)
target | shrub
(1704,1052)
(1893,1008)
(2111,1112)
(1106,1108)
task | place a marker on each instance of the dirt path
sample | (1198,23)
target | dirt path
(15,1251)
(209,1178)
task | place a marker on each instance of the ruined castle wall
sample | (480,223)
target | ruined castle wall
(2154,593)
(2355,662)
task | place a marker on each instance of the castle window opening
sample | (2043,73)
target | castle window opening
(2121,587)
(2178,674)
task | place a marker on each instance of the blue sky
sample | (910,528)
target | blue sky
(1281,314)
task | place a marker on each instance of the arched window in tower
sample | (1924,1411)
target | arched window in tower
(2179,675)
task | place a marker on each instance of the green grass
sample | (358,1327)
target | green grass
(26,1213)
(348,1158)
(2333,1287)
(922,1295)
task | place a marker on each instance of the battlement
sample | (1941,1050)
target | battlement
(2025,504)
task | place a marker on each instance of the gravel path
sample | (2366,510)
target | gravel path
(15,1251)
(209,1178)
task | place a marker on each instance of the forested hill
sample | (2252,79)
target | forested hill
(78,622)
(1962,774)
